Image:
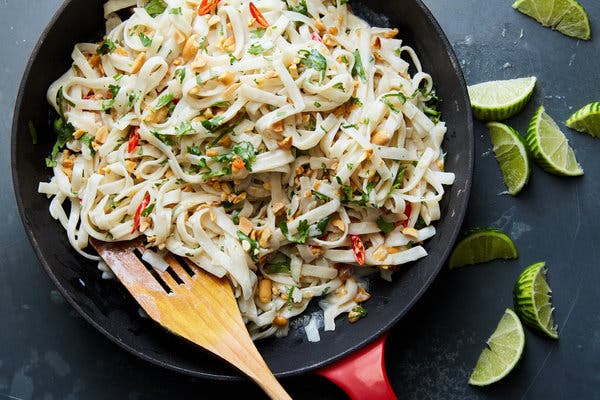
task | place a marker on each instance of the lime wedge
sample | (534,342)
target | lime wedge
(503,352)
(498,100)
(549,146)
(566,16)
(482,245)
(511,153)
(532,299)
(586,119)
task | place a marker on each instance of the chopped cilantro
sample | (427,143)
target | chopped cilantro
(299,8)
(195,150)
(146,41)
(254,247)
(320,195)
(107,46)
(384,226)
(155,7)
(401,98)
(313,59)
(232,59)
(420,224)
(146,211)
(322,225)
(290,301)
(246,152)
(398,180)
(175,11)
(163,101)
(183,128)
(258,33)
(88,141)
(350,165)
(339,86)
(358,68)
(114,90)
(303,230)
(166,139)
(317,104)
(256,49)
(213,123)
(355,101)
(180,72)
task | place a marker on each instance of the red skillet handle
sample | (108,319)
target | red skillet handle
(362,374)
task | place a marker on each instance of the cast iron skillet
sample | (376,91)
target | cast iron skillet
(109,308)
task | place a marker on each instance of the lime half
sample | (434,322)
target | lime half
(566,16)
(586,119)
(532,300)
(482,245)
(503,352)
(498,100)
(549,146)
(511,153)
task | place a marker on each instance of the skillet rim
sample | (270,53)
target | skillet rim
(385,326)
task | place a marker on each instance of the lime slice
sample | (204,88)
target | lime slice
(586,119)
(511,153)
(549,146)
(482,245)
(532,299)
(503,352)
(566,16)
(498,100)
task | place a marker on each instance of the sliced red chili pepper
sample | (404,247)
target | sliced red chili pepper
(207,6)
(315,36)
(257,15)
(138,212)
(407,211)
(134,138)
(359,249)
(89,95)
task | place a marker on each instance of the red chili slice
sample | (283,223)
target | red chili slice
(138,213)
(207,6)
(257,15)
(315,36)
(359,249)
(134,138)
(407,211)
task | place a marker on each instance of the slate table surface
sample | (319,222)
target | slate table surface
(48,352)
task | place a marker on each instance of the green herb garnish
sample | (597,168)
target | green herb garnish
(358,68)
(155,7)
(385,226)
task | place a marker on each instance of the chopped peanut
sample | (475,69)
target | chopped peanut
(194,91)
(376,42)
(157,116)
(130,165)
(338,223)
(278,207)
(138,63)
(329,40)
(68,172)
(67,162)
(319,25)
(226,78)
(229,44)
(355,314)
(240,197)
(169,173)
(101,135)
(245,225)
(199,62)
(280,321)
(272,74)
(410,232)
(213,20)
(191,48)
(145,224)
(178,61)
(121,51)
(212,153)
(228,93)
(294,71)
(391,33)
(264,239)
(361,295)
(179,37)
(277,126)
(380,253)
(225,141)
(286,143)
(381,137)
(333,30)
(264,290)
(78,133)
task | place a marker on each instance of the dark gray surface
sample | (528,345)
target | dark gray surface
(47,352)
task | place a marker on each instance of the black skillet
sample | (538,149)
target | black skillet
(109,308)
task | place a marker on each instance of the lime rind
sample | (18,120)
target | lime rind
(511,153)
(481,245)
(532,296)
(586,119)
(549,147)
(566,16)
(499,100)
(504,350)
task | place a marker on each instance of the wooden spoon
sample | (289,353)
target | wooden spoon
(193,304)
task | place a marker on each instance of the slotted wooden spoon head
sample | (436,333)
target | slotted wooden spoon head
(193,304)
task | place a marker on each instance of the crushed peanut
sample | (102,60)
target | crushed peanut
(361,295)
(226,78)
(179,38)
(78,133)
(391,33)
(380,253)
(410,232)
(319,25)
(286,143)
(278,207)
(264,238)
(265,290)
(280,321)
(130,165)
(212,153)
(381,138)
(338,223)
(101,135)
(191,48)
(277,126)
(229,92)
(138,63)
(245,225)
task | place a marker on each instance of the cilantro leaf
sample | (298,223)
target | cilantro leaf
(195,150)
(401,98)
(155,7)
(114,90)
(146,41)
(213,123)
(313,59)
(384,226)
(254,247)
(258,33)
(107,46)
(166,139)
(163,101)
(176,11)
(339,86)
(320,195)
(303,230)
(398,180)
(358,68)
(255,49)
(246,152)
(299,8)
(146,211)
(64,130)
